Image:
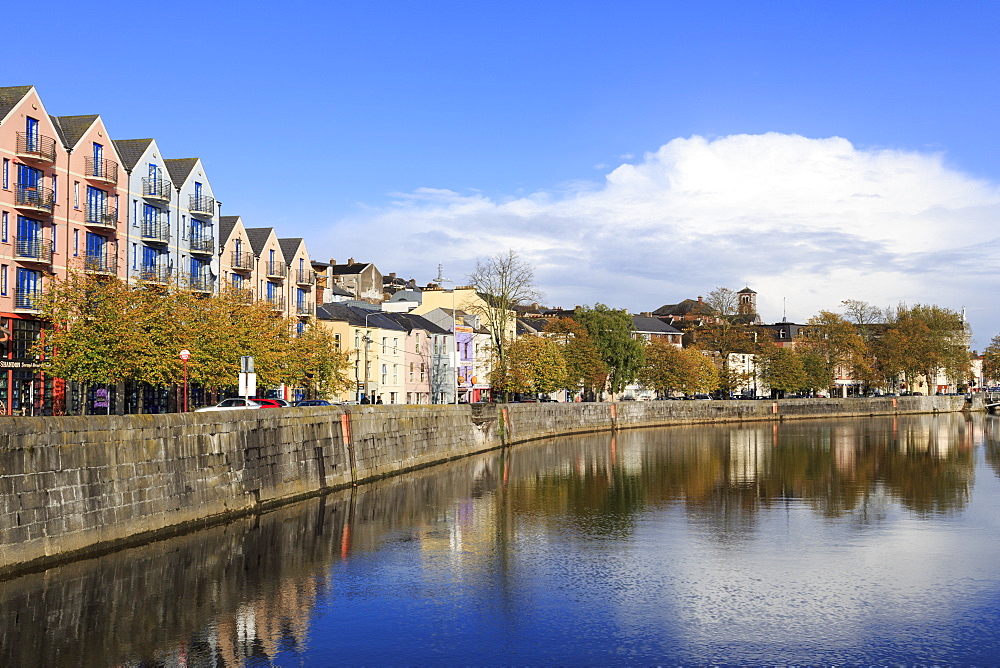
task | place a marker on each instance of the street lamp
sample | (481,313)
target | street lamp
(366,340)
(454,330)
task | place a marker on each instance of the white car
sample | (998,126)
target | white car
(234,404)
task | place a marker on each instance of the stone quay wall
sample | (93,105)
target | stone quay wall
(72,486)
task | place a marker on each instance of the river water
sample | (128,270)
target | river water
(871,541)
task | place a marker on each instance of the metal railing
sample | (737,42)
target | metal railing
(202,245)
(156,188)
(304,308)
(243,295)
(38,198)
(155,230)
(276,269)
(100,263)
(153,274)
(200,283)
(34,249)
(102,169)
(102,216)
(305,276)
(277,303)
(242,261)
(26,299)
(203,205)
(36,146)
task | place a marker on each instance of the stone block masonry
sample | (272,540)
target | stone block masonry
(71,486)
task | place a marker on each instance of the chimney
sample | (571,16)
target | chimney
(700,300)
(332,261)
(350,260)
(392,274)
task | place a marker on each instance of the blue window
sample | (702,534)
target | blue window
(28,286)
(29,177)
(6,173)
(76,243)
(31,133)
(98,154)
(238,281)
(3,279)
(154,174)
(97,203)
(272,290)
(3,227)
(96,245)
(150,259)
(150,214)
(28,230)
(300,299)
(197,190)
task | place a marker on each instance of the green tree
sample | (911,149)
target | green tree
(533,364)
(782,369)
(725,335)
(321,368)
(584,366)
(612,330)
(991,359)
(668,369)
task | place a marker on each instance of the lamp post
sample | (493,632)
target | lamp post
(185,355)
(366,340)
(454,330)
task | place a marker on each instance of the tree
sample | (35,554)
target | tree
(502,281)
(320,367)
(991,359)
(829,341)
(584,366)
(782,369)
(725,336)
(668,369)
(611,330)
(533,364)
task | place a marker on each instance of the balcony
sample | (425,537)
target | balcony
(100,215)
(154,274)
(26,299)
(204,245)
(36,147)
(34,198)
(276,303)
(276,270)
(243,295)
(202,206)
(155,231)
(33,249)
(242,261)
(101,263)
(304,308)
(158,189)
(305,277)
(200,283)
(102,169)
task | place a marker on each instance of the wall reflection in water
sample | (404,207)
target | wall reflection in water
(251,590)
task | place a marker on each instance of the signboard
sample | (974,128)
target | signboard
(462,329)
(185,354)
(248,384)
(101,399)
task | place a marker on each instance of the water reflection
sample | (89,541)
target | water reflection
(671,537)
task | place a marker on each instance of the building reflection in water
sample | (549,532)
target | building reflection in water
(248,591)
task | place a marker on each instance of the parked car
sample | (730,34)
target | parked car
(305,403)
(268,403)
(232,404)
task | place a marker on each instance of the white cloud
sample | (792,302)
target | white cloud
(815,221)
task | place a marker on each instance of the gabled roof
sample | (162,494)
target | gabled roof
(289,247)
(337,290)
(643,323)
(226,226)
(130,150)
(355,316)
(258,238)
(686,307)
(72,128)
(410,322)
(355,268)
(10,97)
(180,169)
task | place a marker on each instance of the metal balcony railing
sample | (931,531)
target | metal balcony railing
(243,295)
(100,263)
(276,269)
(202,245)
(33,249)
(154,274)
(36,147)
(26,299)
(305,277)
(277,303)
(202,206)
(156,188)
(304,308)
(200,283)
(102,216)
(242,261)
(102,169)
(155,231)
(36,198)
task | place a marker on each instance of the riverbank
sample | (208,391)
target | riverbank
(73,486)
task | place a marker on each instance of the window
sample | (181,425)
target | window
(55,188)
(135,256)
(6,174)
(357,338)
(76,243)
(416,344)
(395,374)
(3,227)
(76,194)
(238,281)
(411,372)
(385,343)
(3,279)
(28,286)
(395,346)
(336,341)
(385,374)
(421,372)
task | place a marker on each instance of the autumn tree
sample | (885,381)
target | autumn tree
(828,341)
(584,366)
(991,359)
(727,334)
(317,362)
(782,369)
(533,364)
(502,282)
(668,369)
(612,333)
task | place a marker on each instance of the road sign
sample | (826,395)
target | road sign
(185,354)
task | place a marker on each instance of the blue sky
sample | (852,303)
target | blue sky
(611,144)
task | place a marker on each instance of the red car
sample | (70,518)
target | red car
(268,403)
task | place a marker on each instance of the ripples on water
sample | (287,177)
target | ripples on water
(865,541)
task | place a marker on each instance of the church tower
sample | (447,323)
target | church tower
(747,303)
